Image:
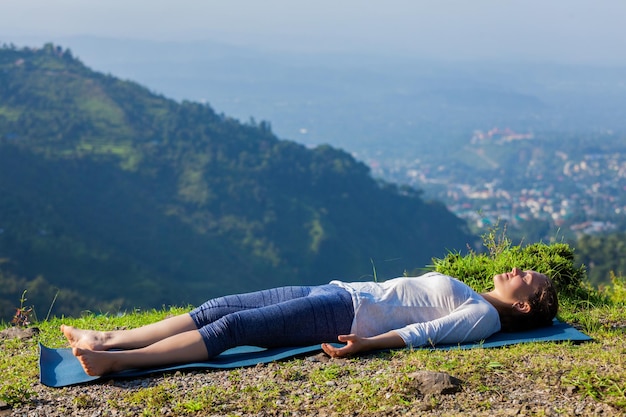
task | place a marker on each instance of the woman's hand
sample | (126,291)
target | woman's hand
(356,344)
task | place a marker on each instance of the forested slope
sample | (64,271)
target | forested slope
(112,196)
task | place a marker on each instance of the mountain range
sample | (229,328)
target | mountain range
(115,197)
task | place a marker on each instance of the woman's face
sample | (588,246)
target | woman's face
(518,285)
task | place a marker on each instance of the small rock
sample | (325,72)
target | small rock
(430,383)
(19,333)
(570,390)
(320,357)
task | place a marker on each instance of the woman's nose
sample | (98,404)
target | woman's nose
(516,271)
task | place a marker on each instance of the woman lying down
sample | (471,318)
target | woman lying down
(403,312)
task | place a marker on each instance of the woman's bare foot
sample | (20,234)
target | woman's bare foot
(86,339)
(95,363)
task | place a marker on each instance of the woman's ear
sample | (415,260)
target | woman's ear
(522,306)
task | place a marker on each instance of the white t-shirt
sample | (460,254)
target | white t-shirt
(426,310)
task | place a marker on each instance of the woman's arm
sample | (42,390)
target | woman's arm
(357,344)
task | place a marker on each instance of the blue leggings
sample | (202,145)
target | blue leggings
(285,316)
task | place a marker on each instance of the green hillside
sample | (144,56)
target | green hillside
(112,196)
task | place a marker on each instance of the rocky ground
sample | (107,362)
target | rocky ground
(228,392)
(524,380)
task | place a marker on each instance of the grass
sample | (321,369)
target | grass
(371,385)
(530,378)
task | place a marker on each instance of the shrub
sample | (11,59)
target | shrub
(554,260)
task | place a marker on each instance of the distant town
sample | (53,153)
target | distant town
(576,187)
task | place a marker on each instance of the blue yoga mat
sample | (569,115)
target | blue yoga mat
(59,367)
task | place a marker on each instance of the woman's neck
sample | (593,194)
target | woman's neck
(492,298)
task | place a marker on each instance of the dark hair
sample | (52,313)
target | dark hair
(544,305)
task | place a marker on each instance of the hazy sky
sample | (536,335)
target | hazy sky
(556,30)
